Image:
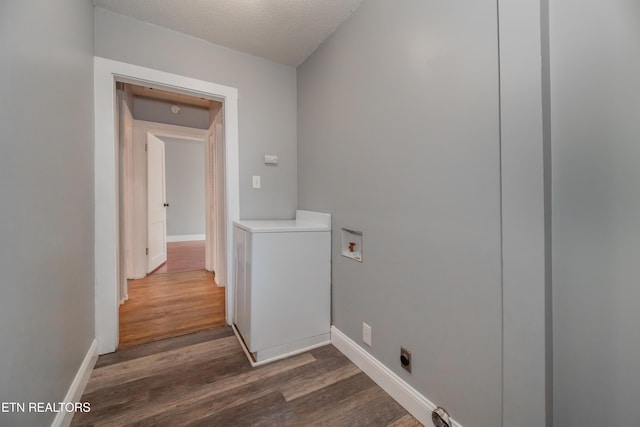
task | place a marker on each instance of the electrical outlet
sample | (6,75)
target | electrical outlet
(405,359)
(366,334)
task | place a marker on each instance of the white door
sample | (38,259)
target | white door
(156,204)
(220,232)
(216,223)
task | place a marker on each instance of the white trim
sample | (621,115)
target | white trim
(186,237)
(184,133)
(314,342)
(137,185)
(414,402)
(74,394)
(106,71)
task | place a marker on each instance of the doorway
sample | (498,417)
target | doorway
(107,249)
(165,172)
(185,209)
(144,197)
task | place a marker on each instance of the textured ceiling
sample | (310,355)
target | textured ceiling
(284,31)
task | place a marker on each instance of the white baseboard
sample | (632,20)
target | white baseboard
(283,351)
(185,237)
(414,402)
(74,394)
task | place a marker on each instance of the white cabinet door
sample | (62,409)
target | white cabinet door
(243,289)
(289,277)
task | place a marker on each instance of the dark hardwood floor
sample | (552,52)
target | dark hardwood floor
(205,379)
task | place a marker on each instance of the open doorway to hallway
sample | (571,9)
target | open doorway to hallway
(108,242)
(171,220)
(184,177)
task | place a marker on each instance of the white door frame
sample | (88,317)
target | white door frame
(107,244)
(137,238)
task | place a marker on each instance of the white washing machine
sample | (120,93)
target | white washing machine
(283,285)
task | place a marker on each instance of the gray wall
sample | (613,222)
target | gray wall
(266,98)
(155,110)
(184,170)
(46,184)
(398,137)
(595,88)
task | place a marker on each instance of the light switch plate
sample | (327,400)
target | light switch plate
(256,181)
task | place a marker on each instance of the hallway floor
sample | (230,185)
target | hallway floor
(170,304)
(183,256)
(178,298)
